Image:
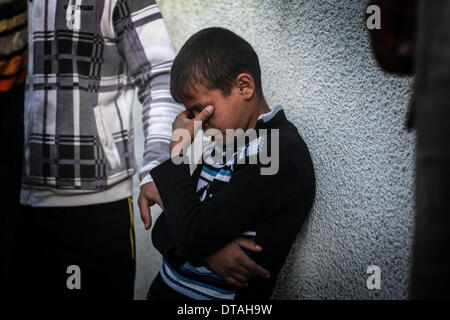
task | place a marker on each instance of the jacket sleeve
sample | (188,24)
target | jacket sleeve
(145,45)
(201,228)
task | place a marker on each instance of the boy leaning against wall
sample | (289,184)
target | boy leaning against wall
(235,193)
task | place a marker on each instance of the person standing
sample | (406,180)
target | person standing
(414,39)
(86,58)
(13,60)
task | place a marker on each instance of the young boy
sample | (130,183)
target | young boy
(217,76)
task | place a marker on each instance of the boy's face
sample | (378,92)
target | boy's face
(229,111)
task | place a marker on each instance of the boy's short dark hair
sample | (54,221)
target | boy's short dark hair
(213,57)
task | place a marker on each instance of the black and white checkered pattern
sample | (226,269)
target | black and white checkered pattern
(86,59)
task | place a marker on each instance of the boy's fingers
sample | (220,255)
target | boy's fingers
(239,278)
(205,113)
(248,244)
(254,268)
(144,208)
(235,283)
(244,272)
(160,203)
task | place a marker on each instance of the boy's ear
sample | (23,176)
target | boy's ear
(246,85)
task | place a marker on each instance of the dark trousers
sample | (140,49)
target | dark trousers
(57,246)
(11,128)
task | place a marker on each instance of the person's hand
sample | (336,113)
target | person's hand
(232,264)
(185,121)
(148,196)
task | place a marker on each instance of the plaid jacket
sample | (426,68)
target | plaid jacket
(86,58)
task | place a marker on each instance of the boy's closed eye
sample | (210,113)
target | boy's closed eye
(194,111)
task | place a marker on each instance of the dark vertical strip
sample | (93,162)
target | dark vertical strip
(431,259)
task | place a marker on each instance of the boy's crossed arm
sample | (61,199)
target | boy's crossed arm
(230,262)
(199,228)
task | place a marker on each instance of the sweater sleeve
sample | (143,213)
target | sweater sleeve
(161,238)
(145,45)
(201,228)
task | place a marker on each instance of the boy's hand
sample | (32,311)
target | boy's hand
(232,264)
(184,121)
(148,196)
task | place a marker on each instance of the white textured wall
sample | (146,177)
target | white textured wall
(316,61)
